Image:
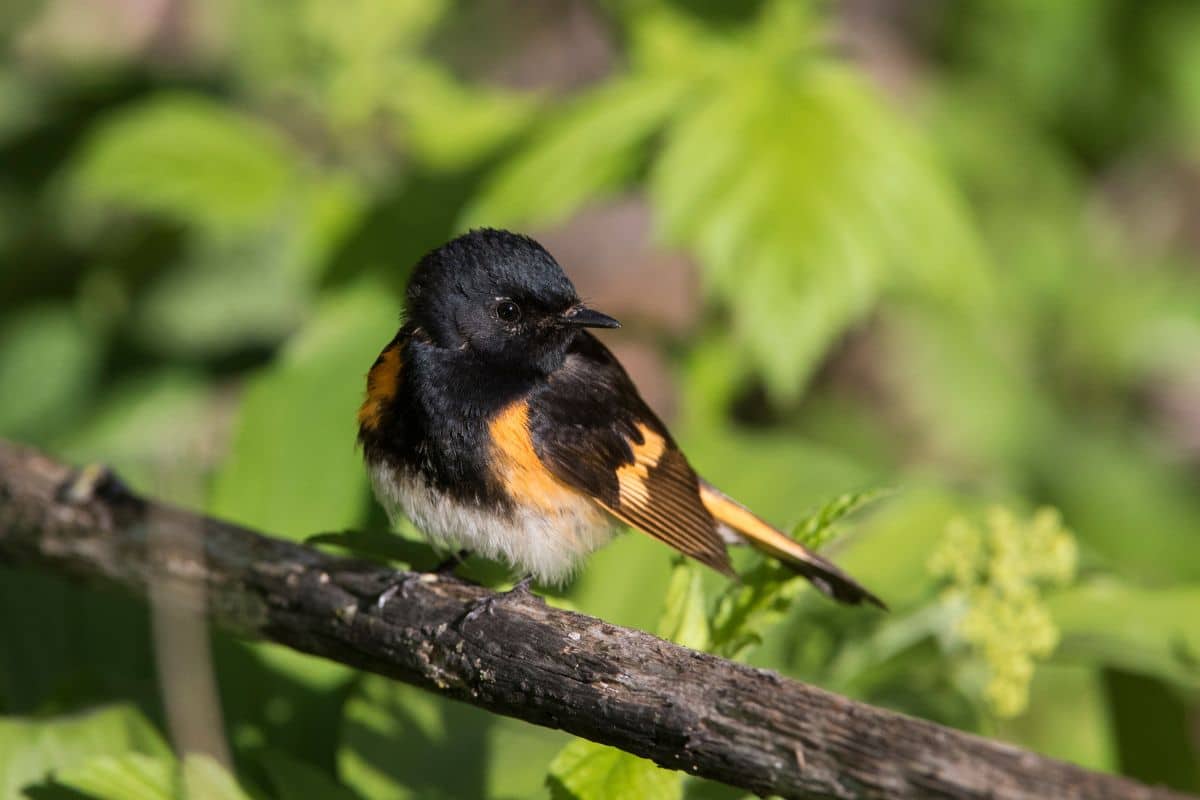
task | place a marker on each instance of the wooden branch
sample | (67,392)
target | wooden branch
(685,710)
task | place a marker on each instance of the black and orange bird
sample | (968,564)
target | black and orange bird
(498,424)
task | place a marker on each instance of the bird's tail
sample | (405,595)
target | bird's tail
(760,535)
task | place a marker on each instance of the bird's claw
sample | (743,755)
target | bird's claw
(487,605)
(90,482)
(400,587)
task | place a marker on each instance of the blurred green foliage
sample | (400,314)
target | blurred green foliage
(944,247)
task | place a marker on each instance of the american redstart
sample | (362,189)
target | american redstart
(497,423)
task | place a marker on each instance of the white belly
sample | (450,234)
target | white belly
(547,542)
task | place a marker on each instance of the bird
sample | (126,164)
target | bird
(499,424)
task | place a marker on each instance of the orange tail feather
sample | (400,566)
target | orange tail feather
(821,572)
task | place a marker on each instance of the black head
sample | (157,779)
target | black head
(500,296)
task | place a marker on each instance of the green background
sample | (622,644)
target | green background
(949,249)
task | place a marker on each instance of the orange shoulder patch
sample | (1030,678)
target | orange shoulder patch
(382,383)
(517,465)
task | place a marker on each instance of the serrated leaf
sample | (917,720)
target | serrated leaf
(806,202)
(818,527)
(765,594)
(293,468)
(589,771)
(748,609)
(186,157)
(31,749)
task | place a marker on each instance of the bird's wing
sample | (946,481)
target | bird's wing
(592,431)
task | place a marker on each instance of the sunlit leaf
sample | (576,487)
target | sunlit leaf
(135,776)
(685,617)
(588,771)
(818,528)
(189,158)
(450,125)
(204,777)
(31,749)
(130,776)
(806,201)
(401,742)
(588,151)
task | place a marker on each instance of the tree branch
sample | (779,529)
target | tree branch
(685,710)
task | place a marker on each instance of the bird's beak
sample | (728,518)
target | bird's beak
(583,317)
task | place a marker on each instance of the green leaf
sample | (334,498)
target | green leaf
(1068,718)
(1153,725)
(186,157)
(590,150)
(745,611)
(31,749)
(48,362)
(131,776)
(293,779)
(204,777)
(816,529)
(1154,632)
(588,771)
(135,776)
(226,297)
(685,618)
(1109,482)
(293,469)
(450,125)
(401,742)
(806,201)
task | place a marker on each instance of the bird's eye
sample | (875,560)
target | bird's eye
(508,311)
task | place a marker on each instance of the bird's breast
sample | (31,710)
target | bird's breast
(542,535)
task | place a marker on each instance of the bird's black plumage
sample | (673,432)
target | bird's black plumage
(496,421)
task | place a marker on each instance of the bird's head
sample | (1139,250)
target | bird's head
(500,296)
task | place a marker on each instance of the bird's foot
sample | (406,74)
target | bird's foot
(487,605)
(91,482)
(401,586)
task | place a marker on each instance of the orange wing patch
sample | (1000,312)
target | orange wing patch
(518,467)
(657,493)
(382,382)
(632,478)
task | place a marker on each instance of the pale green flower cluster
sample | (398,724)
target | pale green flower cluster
(997,575)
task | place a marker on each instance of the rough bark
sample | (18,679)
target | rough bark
(685,710)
